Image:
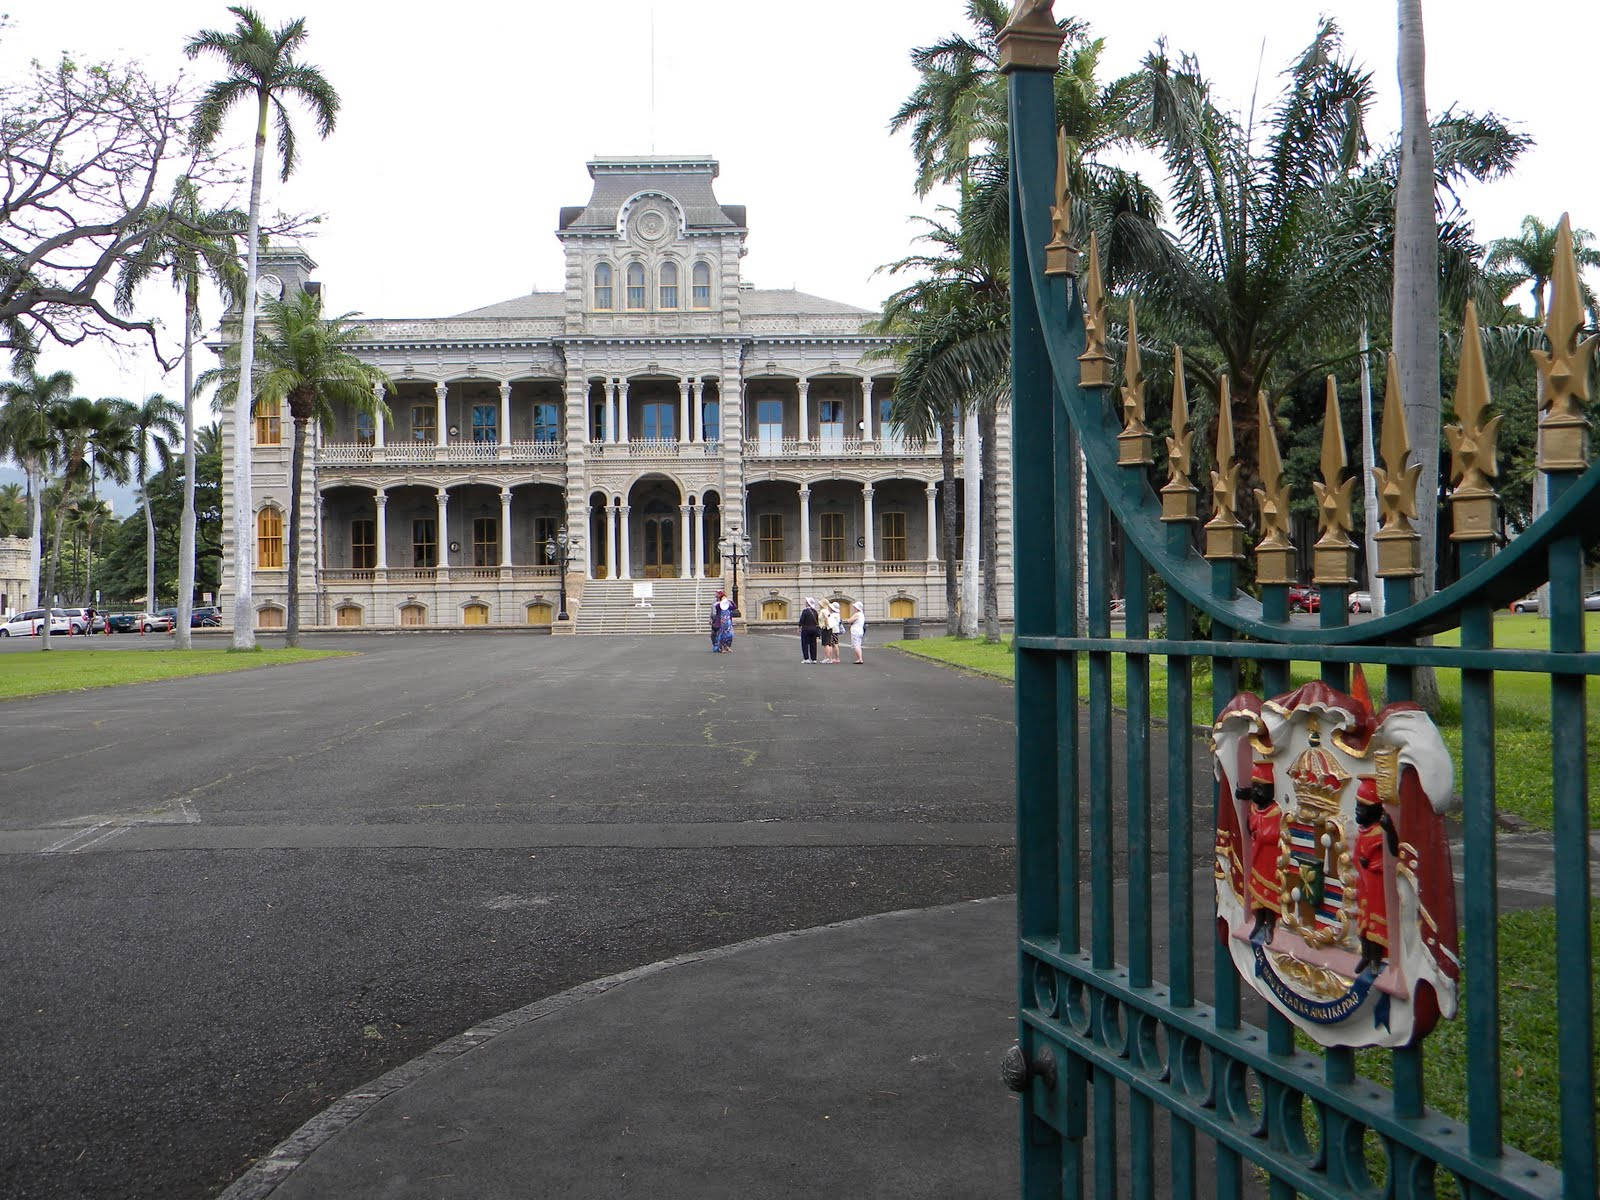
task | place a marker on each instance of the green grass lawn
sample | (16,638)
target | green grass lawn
(73,670)
(1522,704)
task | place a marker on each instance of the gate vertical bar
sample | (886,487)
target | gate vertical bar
(1136,625)
(1570,791)
(1102,899)
(1029,60)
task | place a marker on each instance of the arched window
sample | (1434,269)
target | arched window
(269,539)
(669,285)
(270,617)
(540,613)
(347,615)
(635,285)
(701,282)
(413,614)
(269,422)
(475,614)
(602,285)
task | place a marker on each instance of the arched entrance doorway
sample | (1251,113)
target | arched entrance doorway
(656,528)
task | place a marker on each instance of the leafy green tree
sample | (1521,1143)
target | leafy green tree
(13,511)
(194,243)
(1530,259)
(124,563)
(307,365)
(25,435)
(261,65)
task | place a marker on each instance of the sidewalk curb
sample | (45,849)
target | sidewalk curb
(264,1176)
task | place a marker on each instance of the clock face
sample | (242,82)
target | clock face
(269,287)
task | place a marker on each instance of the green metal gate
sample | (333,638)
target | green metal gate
(1130,1074)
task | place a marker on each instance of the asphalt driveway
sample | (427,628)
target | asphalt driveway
(229,900)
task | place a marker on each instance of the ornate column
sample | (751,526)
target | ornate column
(377,416)
(441,429)
(867,415)
(697,417)
(380,500)
(933,522)
(866,514)
(683,405)
(805,526)
(612,568)
(705,543)
(623,435)
(505,412)
(688,539)
(608,389)
(442,538)
(697,516)
(505,527)
(805,410)
(627,543)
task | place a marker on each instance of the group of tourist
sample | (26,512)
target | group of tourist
(822,623)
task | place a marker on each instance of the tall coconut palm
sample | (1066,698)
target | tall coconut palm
(13,510)
(86,438)
(193,242)
(154,427)
(306,364)
(25,434)
(262,64)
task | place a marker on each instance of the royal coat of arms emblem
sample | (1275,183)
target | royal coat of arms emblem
(1334,890)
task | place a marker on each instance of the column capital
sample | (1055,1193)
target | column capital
(505,389)
(866,491)
(805,491)
(505,495)
(439,388)
(380,497)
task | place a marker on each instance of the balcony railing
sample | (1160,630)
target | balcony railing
(451,574)
(655,448)
(457,453)
(828,447)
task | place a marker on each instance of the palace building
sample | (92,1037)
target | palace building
(675,423)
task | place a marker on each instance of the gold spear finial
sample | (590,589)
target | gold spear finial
(1224,531)
(1094,364)
(1178,497)
(1399,552)
(1563,430)
(1472,442)
(1060,255)
(1275,550)
(1334,555)
(1133,443)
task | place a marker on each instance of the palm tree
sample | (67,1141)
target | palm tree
(193,241)
(307,365)
(86,438)
(1531,259)
(24,433)
(955,360)
(263,64)
(153,428)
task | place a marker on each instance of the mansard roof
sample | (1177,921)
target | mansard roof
(686,180)
(781,302)
(535,304)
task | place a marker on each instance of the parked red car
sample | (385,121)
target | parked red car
(1304,599)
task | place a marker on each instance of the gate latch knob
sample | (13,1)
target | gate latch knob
(1018,1072)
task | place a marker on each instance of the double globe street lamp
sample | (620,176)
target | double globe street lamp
(561,550)
(735,549)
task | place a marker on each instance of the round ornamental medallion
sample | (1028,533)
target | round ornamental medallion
(651,224)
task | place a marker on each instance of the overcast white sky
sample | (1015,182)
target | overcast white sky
(466,125)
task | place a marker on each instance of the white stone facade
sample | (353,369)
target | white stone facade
(657,409)
(14,595)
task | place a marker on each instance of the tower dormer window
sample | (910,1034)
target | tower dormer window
(669,285)
(635,285)
(701,283)
(602,286)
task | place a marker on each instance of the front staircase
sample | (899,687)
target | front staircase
(677,606)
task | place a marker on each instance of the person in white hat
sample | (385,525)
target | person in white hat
(858,629)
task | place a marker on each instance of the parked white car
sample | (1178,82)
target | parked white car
(31,622)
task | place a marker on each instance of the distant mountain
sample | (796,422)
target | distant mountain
(124,501)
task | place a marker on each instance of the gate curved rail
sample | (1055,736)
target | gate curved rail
(1102,1043)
